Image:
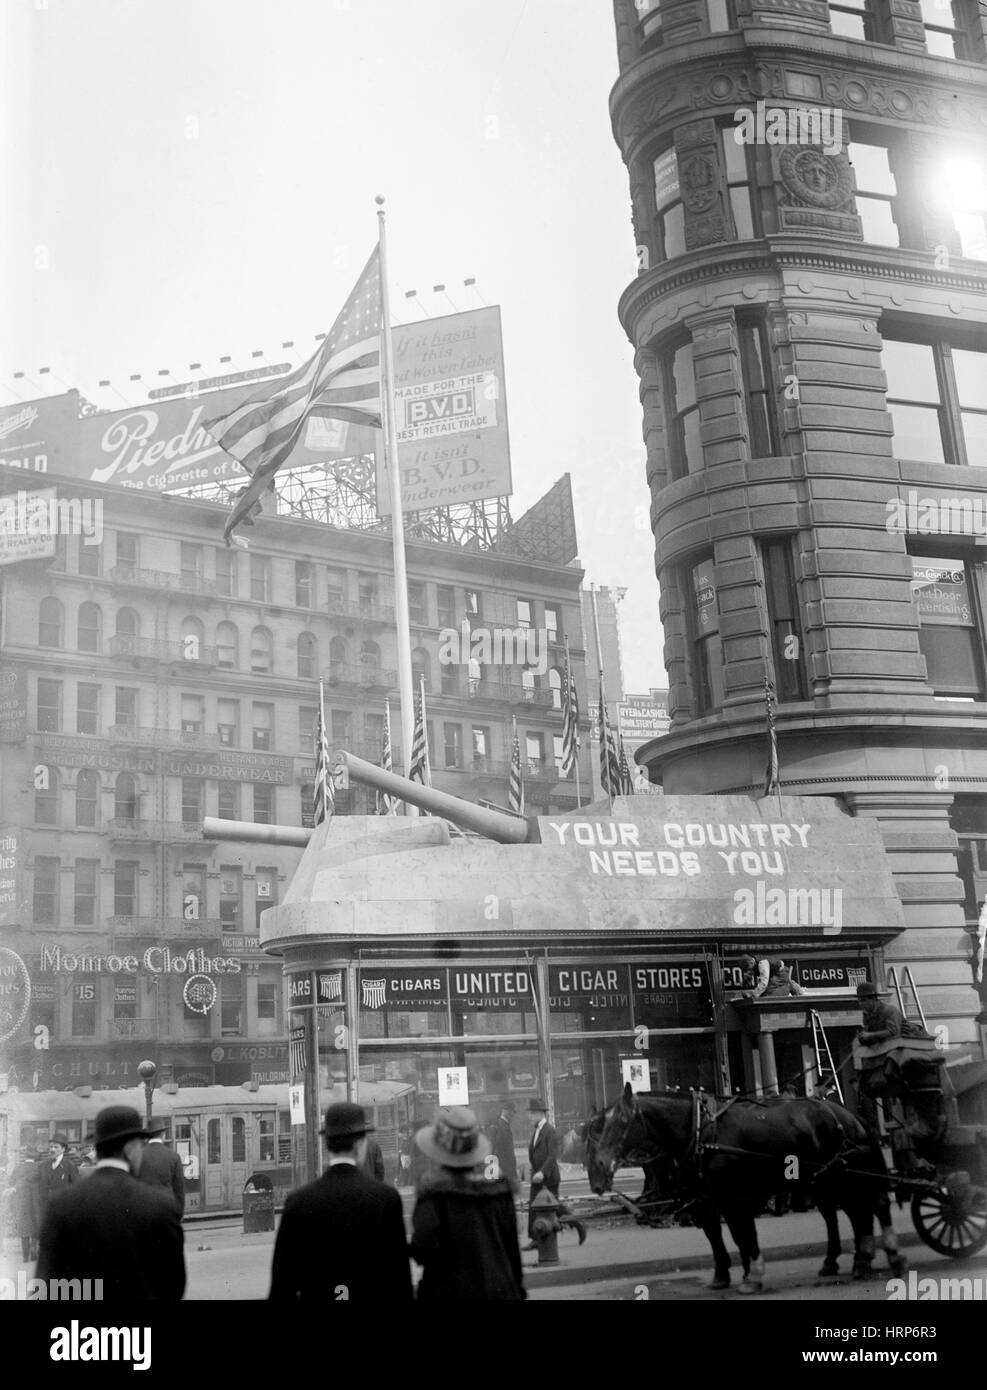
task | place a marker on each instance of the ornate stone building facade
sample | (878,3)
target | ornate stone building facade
(809,195)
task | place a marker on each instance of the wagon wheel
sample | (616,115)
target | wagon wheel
(953,1219)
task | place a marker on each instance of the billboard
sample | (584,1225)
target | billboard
(28,519)
(41,436)
(642,720)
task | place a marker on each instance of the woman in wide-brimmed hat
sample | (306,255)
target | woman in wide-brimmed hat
(464,1224)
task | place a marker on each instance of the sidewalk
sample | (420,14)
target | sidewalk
(629,1251)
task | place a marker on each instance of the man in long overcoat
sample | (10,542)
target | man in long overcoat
(161,1167)
(341,1239)
(26,1203)
(58,1172)
(113,1228)
(543,1155)
(502,1139)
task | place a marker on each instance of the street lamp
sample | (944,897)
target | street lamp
(147,1072)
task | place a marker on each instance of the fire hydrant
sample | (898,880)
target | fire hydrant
(552,1216)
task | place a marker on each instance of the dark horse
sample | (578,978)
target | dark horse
(658,1171)
(735,1160)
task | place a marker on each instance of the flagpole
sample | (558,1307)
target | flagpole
(401,613)
(603,696)
(568,667)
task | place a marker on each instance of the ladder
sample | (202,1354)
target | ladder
(820,1047)
(906,982)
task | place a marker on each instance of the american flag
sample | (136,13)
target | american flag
(386,805)
(515,786)
(626,779)
(341,382)
(609,765)
(420,770)
(297,1051)
(570,720)
(325,795)
(772,771)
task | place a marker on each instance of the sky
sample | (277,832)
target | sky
(194,179)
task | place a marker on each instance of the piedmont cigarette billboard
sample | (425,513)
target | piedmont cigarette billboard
(450,416)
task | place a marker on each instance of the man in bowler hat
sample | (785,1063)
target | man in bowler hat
(502,1139)
(543,1155)
(112,1227)
(59,1172)
(341,1238)
(162,1168)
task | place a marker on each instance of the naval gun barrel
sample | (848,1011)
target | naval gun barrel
(215,829)
(495,825)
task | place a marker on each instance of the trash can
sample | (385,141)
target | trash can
(258,1206)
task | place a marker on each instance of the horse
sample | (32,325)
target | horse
(737,1159)
(657,1170)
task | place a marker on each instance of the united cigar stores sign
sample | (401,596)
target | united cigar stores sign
(403,989)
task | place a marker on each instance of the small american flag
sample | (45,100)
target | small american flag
(325,795)
(609,765)
(420,770)
(570,720)
(772,771)
(515,786)
(341,382)
(626,780)
(386,805)
(297,1051)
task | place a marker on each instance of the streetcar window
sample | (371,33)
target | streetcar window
(239,1140)
(212,1141)
(265,1138)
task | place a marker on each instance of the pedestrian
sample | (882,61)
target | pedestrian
(502,1139)
(373,1160)
(88,1163)
(59,1172)
(464,1227)
(113,1228)
(25,1193)
(161,1167)
(543,1155)
(341,1239)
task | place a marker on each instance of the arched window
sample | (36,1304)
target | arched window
(370,656)
(421,668)
(46,794)
(555,685)
(87,798)
(125,797)
(50,623)
(128,623)
(193,639)
(227,647)
(261,650)
(90,627)
(308,656)
(338,655)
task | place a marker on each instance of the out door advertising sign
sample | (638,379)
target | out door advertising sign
(15,992)
(666,178)
(28,521)
(940,590)
(41,436)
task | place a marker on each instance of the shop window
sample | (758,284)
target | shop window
(704,637)
(87,798)
(192,794)
(852,19)
(227,647)
(230,897)
(86,880)
(231,1005)
(90,628)
(682,411)
(949,594)
(229,801)
(46,871)
(226,573)
(452,739)
(417,609)
(262,717)
(755,361)
(49,706)
(308,657)
(261,651)
(84,1001)
(670,222)
(125,799)
(125,873)
(783,618)
(228,723)
(127,706)
(47,794)
(260,578)
(876,192)
(51,623)
(86,708)
(304,584)
(263,803)
(90,559)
